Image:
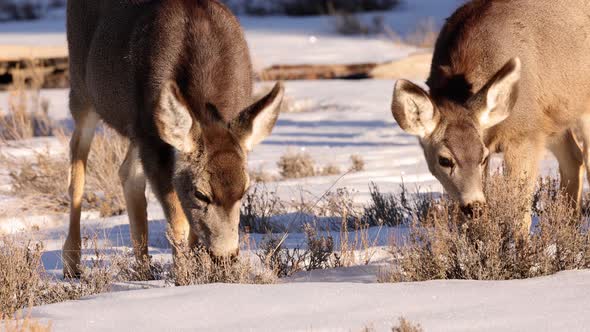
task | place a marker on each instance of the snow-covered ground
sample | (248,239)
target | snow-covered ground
(339,119)
(555,303)
(280,40)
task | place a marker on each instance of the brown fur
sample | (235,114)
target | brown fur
(551,96)
(175,77)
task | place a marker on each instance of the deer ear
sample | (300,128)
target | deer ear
(413,109)
(173,119)
(256,122)
(496,99)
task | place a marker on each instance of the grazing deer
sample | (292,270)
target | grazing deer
(175,77)
(510,77)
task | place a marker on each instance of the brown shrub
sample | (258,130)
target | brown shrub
(330,169)
(358,163)
(296,165)
(26,324)
(24,283)
(406,326)
(261,176)
(491,246)
(20,277)
(43,182)
(27,114)
(195,267)
(258,206)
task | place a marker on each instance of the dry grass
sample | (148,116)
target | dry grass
(258,206)
(407,326)
(491,246)
(20,275)
(319,253)
(357,163)
(26,115)
(330,169)
(301,165)
(396,209)
(42,183)
(24,283)
(261,176)
(26,324)
(196,267)
(296,165)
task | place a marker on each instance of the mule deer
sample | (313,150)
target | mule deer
(510,77)
(175,77)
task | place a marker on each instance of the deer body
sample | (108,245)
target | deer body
(510,77)
(175,77)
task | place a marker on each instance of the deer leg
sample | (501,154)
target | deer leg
(522,168)
(86,121)
(584,132)
(159,167)
(133,181)
(571,162)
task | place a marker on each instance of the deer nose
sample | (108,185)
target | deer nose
(225,259)
(473,209)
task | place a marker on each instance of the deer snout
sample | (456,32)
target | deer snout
(228,258)
(472,204)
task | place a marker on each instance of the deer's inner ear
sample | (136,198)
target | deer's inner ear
(173,119)
(413,109)
(256,122)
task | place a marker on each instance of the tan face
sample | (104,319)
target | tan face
(451,133)
(211,195)
(457,157)
(211,164)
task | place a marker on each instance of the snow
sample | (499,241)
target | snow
(555,303)
(336,119)
(307,40)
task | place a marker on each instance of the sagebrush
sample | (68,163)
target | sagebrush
(492,245)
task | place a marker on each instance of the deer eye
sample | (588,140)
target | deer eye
(446,162)
(202,197)
(485,160)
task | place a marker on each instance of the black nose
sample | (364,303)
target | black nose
(473,210)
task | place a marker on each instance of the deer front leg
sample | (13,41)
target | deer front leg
(159,167)
(522,168)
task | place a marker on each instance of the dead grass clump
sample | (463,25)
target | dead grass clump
(407,326)
(43,181)
(296,166)
(26,324)
(261,176)
(330,170)
(27,114)
(24,283)
(319,253)
(196,267)
(258,206)
(396,209)
(358,163)
(20,278)
(493,244)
